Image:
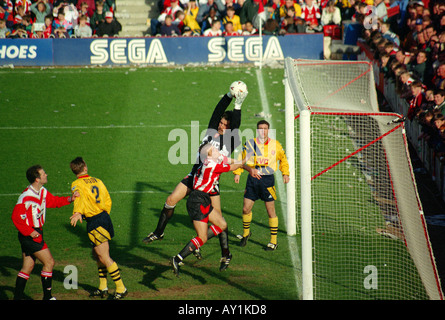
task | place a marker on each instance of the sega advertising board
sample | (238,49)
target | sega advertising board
(158,51)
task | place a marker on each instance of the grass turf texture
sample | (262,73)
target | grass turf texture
(119,120)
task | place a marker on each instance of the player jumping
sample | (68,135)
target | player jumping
(222,133)
(199,203)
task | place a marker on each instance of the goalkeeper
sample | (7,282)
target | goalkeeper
(222,133)
(261,181)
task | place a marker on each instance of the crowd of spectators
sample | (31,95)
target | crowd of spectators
(86,18)
(241,17)
(410,47)
(58,18)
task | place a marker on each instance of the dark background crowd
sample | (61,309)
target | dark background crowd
(58,18)
(409,44)
(86,18)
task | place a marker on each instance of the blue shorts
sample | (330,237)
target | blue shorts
(100,228)
(263,188)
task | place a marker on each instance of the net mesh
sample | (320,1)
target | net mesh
(368,230)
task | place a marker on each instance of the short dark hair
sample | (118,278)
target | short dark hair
(262,122)
(33,173)
(228,116)
(77,165)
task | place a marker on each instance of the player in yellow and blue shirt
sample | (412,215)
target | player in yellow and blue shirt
(94,205)
(268,156)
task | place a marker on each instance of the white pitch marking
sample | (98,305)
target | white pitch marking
(292,242)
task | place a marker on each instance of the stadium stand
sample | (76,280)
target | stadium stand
(133,15)
(408,84)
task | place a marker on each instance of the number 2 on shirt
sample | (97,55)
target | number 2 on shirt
(95,190)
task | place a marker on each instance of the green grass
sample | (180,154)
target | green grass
(119,120)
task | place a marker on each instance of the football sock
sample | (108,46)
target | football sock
(247,219)
(166,214)
(194,244)
(224,243)
(115,274)
(102,278)
(273,224)
(223,238)
(213,231)
(20,284)
(47,279)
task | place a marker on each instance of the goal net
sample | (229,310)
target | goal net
(359,215)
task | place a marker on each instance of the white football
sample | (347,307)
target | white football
(237,87)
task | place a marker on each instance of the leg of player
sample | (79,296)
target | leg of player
(179,193)
(247,219)
(46,274)
(23,276)
(273,224)
(102,252)
(219,228)
(194,244)
(102,291)
(224,235)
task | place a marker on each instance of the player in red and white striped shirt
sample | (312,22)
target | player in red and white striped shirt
(28,217)
(199,204)
(208,174)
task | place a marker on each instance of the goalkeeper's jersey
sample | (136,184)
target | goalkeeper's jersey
(265,157)
(227,142)
(94,197)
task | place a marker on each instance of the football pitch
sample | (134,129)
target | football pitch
(124,122)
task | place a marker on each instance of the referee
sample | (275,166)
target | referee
(267,152)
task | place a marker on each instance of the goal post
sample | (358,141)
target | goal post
(290,145)
(363,233)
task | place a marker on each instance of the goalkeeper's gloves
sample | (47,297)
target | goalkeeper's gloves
(239,99)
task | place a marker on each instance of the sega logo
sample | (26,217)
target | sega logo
(18,52)
(234,49)
(120,51)
(240,49)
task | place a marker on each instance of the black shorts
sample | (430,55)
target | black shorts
(199,206)
(263,188)
(100,228)
(188,182)
(31,245)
